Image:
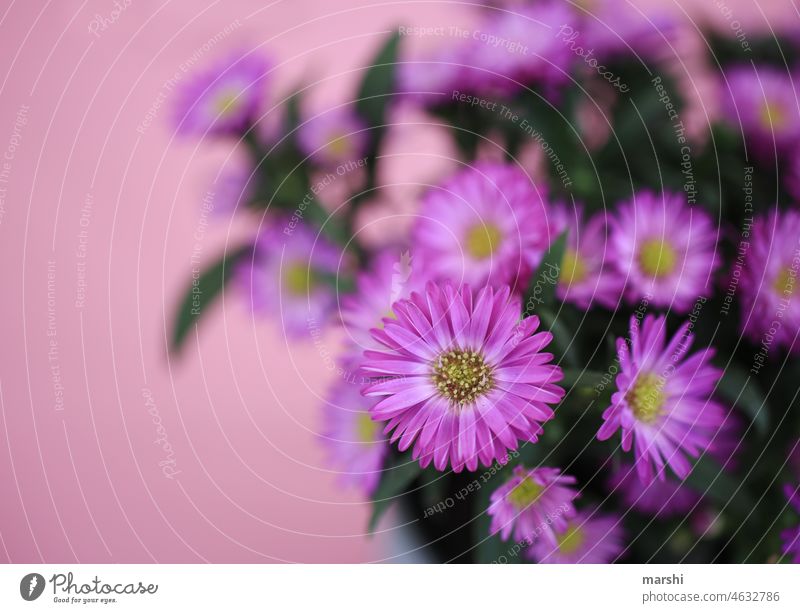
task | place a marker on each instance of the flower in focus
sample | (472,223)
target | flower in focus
(353,439)
(291,275)
(487,224)
(589,538)
(225,99)
(514,48)
(462,379)
(333,137)
(585,275)
(665,248)
(770,300)
(762,103)
(662,499)
(533,504)
(663,400)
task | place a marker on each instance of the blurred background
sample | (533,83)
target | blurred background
(111,449)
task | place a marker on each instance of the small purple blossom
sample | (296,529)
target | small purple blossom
(333,137)
(589,538)
(662,499)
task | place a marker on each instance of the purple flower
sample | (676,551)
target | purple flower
(431,81)
(333,137)
(665,248)
(225,99)
(589,538)
(663,400)
(762,103)
(353,440)
(662,499)
(292,275)
(586,276)
(232,189)
(533,504)
(462,379)
(769,282)
(391,277)
(514,48)
(487,224)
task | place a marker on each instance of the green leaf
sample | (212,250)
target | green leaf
(201,293)
(542,286)
(741,390)
(378,83)
(397,476)
(574,377)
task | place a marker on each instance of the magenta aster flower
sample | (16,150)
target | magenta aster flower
(333,137)
(763,104)
(586,276)
(533,504)
(225,99)
(462,379)
(662,499)
(665,248)
(354,441)
(510,49)
(487,224)
(589,538)
(769,281)
(663,400)
(292,275)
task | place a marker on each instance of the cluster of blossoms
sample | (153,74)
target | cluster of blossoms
(442,357)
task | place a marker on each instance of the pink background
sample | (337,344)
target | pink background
(82,481)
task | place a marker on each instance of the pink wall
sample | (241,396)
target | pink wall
(87,197)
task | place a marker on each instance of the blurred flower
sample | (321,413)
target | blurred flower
(232,189)
(667,498)
(589,538)
(224,99)
(762,103)
(333,137)
(770,297)
(665,248)
(431,81)
(514,48)
(391,277)
(353,440)
(663,402)
(487,224)
(462,378)
(533,504)
(585,275)
(292,275)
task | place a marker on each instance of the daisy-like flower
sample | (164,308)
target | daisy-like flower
(589,538)
(665,249)
(225,99)
(586,276)
(514,48)
(762,103)
(392,276)
(770,285)
(663,401)
(486,225)
(462,379)
(292,276)
(662,499)
(353,440)
(333,137)
(533,504)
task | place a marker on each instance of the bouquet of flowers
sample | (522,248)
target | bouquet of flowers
(584,347)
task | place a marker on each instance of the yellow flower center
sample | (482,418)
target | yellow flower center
(525,493)
(571,540)
(657,257)
(339,146)
(227,102)
(462,376)
(646,397)
(483,240)
(772,116)
(785,283)
(573,268)
(298,279)
(366,428)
